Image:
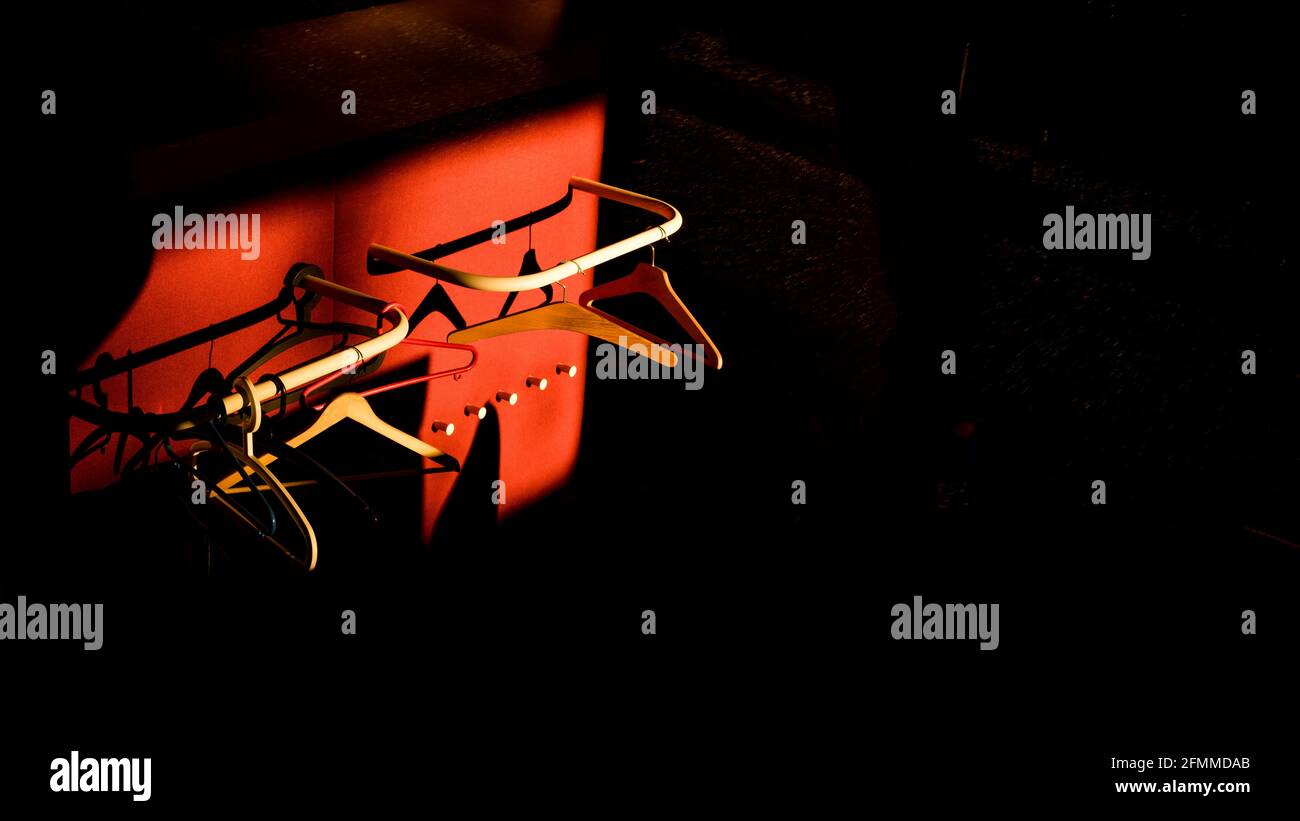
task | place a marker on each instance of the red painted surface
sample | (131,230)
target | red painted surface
(410,201)
(190,289)
(446,191)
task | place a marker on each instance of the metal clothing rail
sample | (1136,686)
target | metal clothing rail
(309,372)
(568,268)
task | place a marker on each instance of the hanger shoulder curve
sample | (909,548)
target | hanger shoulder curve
(258,466)
(653,281)
(354,406)
(569,316)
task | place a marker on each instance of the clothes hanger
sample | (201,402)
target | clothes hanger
(352,405)
(437,301)
(247,462)
(186,423)
(320,366)
(529,265)
(328,477)
(185,465)
(650,279)
(393,260)
(375,267)
(269,483)
(270,523)
(424,343)
(415,380)
(570,316)
(552,316)
(281,450)
(302,329)
(141,425)
(258,467)
(355,407)
(99,438)
(295,378)
(102,436)
(280,344)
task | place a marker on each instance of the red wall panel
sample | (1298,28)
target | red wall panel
(412,200)
(457,187)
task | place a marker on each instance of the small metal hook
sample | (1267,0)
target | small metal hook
(575,264)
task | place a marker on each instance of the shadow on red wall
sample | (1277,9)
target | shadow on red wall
(411,200)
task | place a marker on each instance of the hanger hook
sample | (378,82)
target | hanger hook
(280,390)
(244,387)
(565,296)
(575,264)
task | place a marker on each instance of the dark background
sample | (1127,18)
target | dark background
(509,661)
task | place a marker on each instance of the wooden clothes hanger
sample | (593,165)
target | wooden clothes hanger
(287,448)
(569,316)
(353,405)
(326,476)
(560,316)
(653,281)
(579,317)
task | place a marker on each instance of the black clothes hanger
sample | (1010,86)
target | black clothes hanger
(301,329)
(231,502)
(101,437)
(132,411)
(208,383)
(328,477)
(438,300)
(147,424)
(220,441)
(96,440)
(181,465)
(272,441)
(529,265)
(376,267)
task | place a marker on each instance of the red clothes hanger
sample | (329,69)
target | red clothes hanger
(652,280)
(401,383)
